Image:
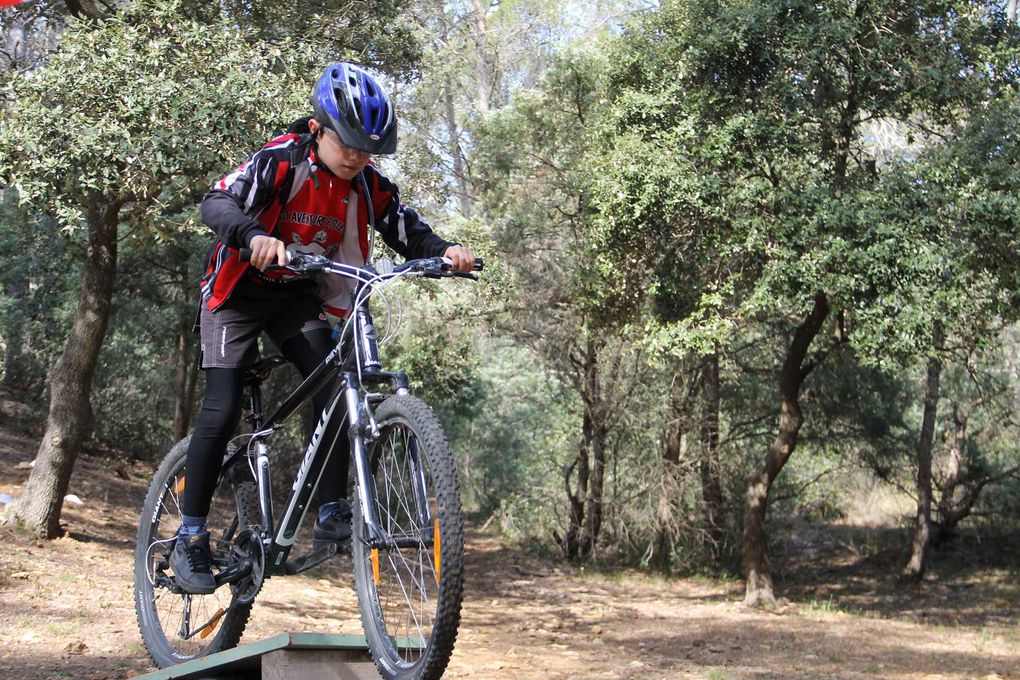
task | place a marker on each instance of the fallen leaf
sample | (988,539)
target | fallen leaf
(76,647)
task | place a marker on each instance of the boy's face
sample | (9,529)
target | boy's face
(341,159)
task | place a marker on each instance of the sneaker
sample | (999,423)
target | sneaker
(337,528)
(191,561)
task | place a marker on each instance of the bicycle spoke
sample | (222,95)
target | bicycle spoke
(406,594)
(173,495)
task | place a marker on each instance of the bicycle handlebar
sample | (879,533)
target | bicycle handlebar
(429,267)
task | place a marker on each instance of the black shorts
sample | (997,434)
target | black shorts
(230,333)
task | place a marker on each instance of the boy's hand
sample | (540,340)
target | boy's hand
(463,259)
(266,250)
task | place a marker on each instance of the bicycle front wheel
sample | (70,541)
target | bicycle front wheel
(410,578)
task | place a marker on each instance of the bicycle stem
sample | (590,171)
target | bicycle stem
(369,344)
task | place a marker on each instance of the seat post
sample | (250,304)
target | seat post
(253,404)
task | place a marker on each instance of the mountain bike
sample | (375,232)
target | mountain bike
(407,544)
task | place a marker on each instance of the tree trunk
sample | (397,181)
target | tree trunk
(757,566)
(182,404)
(953,506)
(661,557)
(193,360)
(922,524)
(594,501)
(675,443)
(452,127)
(459,172)
(594,452)
(70,384)
(711,484)
(575,497)
(482,65)
(1011,10)
(586,498)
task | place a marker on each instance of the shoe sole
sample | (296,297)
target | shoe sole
(190,590)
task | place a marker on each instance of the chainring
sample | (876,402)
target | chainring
(248,546)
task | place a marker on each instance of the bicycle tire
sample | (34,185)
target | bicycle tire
(155,604)
(411,625)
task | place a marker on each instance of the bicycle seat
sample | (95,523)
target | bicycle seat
(260,370)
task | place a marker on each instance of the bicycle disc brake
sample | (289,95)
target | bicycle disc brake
(248,546)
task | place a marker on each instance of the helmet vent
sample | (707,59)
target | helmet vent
(357,107)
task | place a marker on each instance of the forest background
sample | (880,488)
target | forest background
(746,261)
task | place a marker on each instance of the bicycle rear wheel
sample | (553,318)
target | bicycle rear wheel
(410,583)
(176,626)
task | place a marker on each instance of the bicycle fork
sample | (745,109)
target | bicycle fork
(361,427)
(364,430)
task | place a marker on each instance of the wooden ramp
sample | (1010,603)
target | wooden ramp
(287,656)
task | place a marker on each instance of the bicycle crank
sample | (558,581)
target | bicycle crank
(247,570)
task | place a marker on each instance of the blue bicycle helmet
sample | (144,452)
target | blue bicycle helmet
(349,101)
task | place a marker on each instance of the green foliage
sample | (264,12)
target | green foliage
(36,292)
(757,185)
(495,407)
(531,156)
(143,107)
(135,393)
(379,33)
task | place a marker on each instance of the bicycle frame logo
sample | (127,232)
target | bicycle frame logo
(313,446)
(300,499)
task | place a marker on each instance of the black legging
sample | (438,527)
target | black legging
(218,418)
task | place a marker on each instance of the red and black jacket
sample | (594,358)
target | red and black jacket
(282,191)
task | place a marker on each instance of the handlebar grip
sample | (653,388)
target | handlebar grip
(244,254)
(479,264)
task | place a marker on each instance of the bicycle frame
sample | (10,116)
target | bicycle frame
(361,427)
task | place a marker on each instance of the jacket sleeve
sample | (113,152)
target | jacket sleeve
(399,225)
(235,201)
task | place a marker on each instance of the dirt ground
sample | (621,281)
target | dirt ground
(66,605)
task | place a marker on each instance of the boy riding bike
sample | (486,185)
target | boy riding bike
(302,193)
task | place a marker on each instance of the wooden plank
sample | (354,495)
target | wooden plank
(315,664)
(246,661)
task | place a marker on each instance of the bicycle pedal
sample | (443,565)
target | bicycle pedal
(342,547)
(312,559)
